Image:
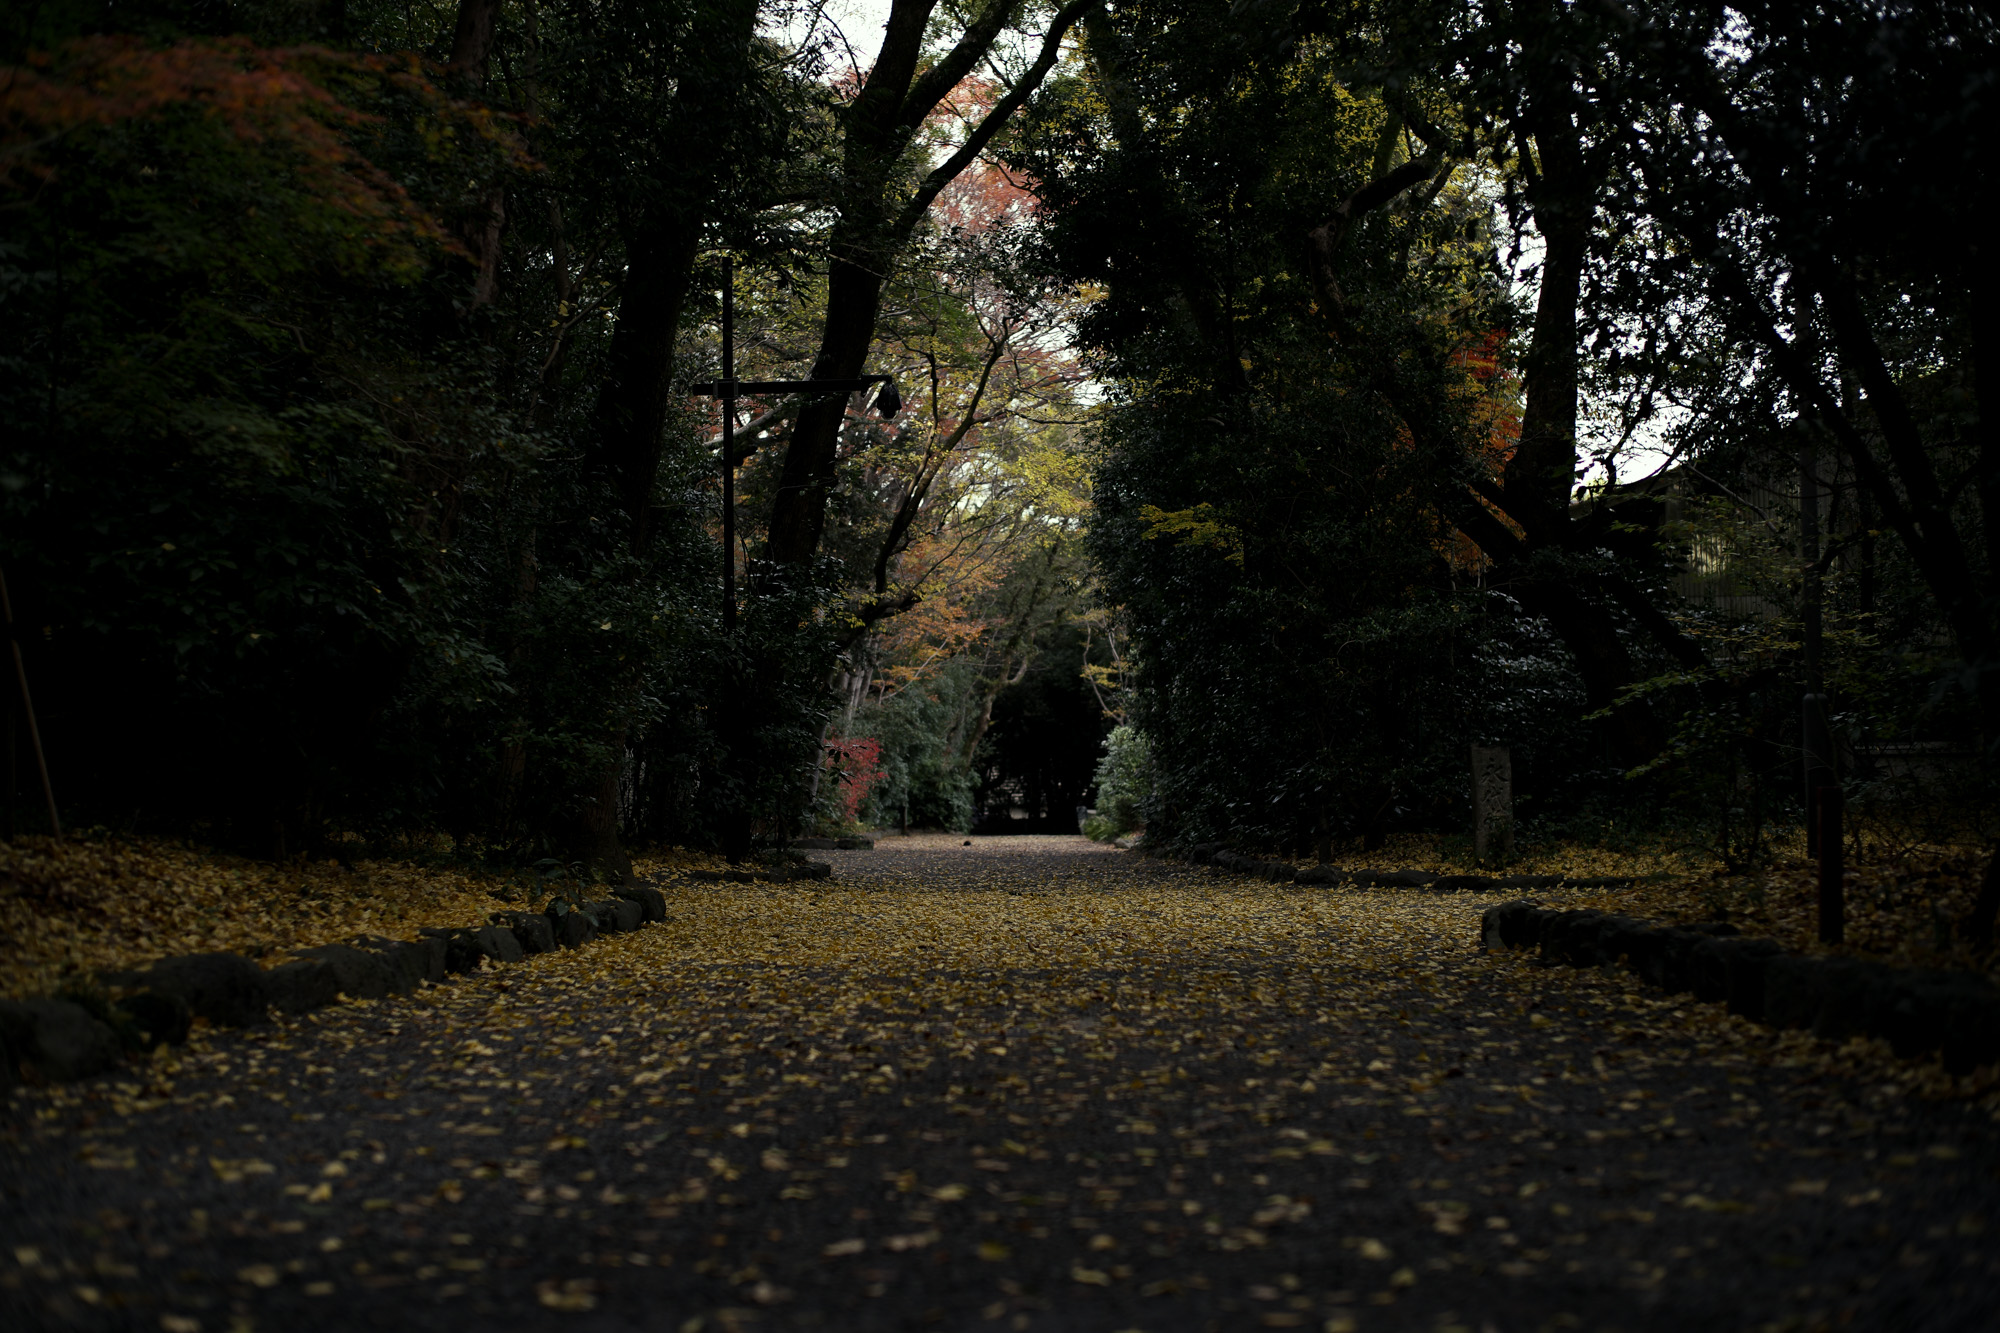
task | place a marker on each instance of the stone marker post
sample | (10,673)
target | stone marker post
(1492,801)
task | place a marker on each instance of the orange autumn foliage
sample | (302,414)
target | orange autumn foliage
(1496,410)
(941,625)
(288,103)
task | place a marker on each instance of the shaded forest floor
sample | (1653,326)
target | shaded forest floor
(89,904)
(1029,1084)
(1904,897)
(85,905)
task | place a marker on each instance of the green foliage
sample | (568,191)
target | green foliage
(344,483)
(308,532)
(228,426)
(1124,784)
(1311,644)
(927,777)
(1293,473)
(1735,712)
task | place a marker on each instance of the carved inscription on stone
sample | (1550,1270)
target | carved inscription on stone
(1492,801)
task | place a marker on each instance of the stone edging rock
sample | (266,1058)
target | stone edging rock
(1284,872)
(58,1039)
(1956,1014)
(833,844)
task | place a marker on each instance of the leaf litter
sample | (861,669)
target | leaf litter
(72,908)
(1028,1084)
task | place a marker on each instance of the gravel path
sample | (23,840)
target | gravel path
(1028,1084)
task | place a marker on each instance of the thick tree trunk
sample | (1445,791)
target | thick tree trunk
(484,235)
(1986,392)
(874,226)
(634,402)
(1606,668)
(632,411)
(472,39)
(1537,480)
(471,50)
(1539,476)
(511,779)
(798,512)
(1986,479)
(875,128)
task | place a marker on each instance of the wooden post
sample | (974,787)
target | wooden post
(728,445)
(1492,801)
(27,712)
(1815,738)
(1818,758)
(1827,803)
(13,765)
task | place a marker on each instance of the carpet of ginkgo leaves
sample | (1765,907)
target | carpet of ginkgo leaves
(1032,1084)
(75,907)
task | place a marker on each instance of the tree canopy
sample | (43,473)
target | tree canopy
(1275,382)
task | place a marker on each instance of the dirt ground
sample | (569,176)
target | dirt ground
(1028,1084)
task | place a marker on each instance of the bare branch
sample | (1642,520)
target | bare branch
(994,120)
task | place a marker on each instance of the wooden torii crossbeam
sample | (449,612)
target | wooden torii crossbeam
(889,402)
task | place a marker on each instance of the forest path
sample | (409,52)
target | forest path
(1029,1084)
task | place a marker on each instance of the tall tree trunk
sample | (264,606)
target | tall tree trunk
(1539,476)
(1986,394)
(594,832)
(1537,481)
(1904,486)
(874,227)
(853,301)
(472,39)
(876,220)
(471,51)
(636,397)
(636,400)
(1606,668)
(1986,391)
(632,410)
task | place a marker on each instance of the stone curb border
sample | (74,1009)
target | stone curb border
(833,844)
(1284,872)
(1917,1011)
(59,1039)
